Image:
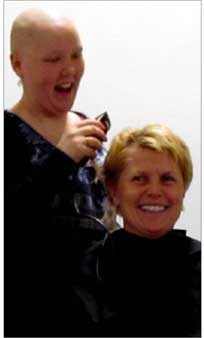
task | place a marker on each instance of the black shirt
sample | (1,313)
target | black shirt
(45,239)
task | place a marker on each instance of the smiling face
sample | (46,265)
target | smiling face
(50,66)
(149,192)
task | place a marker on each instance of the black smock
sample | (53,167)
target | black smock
(152,286)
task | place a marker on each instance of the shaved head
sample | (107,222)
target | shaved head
(46,54)
(29,24)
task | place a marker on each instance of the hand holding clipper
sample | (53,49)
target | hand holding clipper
(105,120)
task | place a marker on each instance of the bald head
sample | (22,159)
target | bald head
(29,24)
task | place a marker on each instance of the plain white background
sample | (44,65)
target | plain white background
(143,65)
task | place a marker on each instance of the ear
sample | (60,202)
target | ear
(16,63)
(112,191)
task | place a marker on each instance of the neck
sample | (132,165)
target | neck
(50,126)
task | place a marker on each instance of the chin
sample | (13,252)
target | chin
(157,232)
(63,109)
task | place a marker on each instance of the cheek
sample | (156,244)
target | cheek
(81,69)
(38,77)
(177,198)
(48,75)
(26,73)
(117,196)
(127,197)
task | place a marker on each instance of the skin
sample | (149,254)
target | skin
(149,192)
(46,53)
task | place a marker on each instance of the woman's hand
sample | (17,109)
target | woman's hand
(82,139)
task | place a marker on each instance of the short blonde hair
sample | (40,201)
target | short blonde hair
(155,137)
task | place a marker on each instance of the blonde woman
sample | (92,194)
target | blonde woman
(151,271)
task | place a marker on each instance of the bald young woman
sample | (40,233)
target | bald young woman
(46,53)
(46,187)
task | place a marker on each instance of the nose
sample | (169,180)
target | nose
(154,188)
(69,68)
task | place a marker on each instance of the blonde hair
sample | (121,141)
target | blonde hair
(155,137)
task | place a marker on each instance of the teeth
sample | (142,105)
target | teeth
(153,208)
(65,85)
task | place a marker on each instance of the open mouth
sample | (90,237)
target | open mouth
(153,208)
(64,88)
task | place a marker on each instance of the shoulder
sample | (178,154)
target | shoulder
(115,241)
(194,246)
(9,118)
(12,123)
(194,256)
(16,148)
(12,135)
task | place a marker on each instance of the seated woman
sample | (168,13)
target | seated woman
(151,272)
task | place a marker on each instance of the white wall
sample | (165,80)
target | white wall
(143,65)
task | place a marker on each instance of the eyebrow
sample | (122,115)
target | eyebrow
(57,51)
(139,172)
(169,173)
(80,49)
(143,172)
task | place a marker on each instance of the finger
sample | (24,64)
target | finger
(93,122)
(94,132)
(93,143)
(93,154)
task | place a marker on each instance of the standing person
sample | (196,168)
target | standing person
(46,185)
(151,271)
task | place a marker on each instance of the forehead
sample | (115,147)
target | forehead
(145,159)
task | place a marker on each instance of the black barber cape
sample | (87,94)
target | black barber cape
(152,287)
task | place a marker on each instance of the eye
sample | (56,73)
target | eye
(139,178)
(168,178)
(52,59)
(76,56)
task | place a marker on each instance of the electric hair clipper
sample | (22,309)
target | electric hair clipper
(103,118)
